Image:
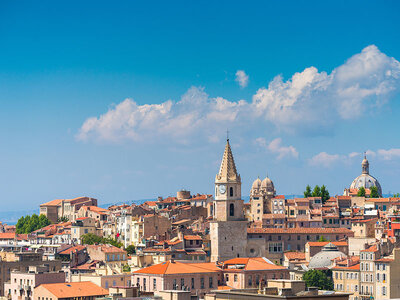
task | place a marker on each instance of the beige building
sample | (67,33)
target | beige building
(228,229)
(67,208)
(104,279)
(113,257)
(387,276)
(22,284)
(84,225)
(346,278)
(261,194)
(21,262)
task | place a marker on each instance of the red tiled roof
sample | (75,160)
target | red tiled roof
(72,249)
(300,230)
(192,237)
(355,267)
(74,289)
(321,244)
(175,267)
(251,264)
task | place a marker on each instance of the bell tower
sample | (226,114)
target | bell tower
(228,230)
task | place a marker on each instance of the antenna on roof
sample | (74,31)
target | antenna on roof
(227,134)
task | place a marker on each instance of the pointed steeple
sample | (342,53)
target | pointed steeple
(227,171)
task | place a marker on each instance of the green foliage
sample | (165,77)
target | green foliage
(28,224)
(307,192)
(397,195)
(361,192)
(130,249)
(316,191)
(92,239)
(324,194)
(374,192)
(126,268)
(322,239)
(318,278)
(62,219)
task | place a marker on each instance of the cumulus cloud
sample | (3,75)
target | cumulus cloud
(195,111)
(312,98)
(310,101)
(242,78)
(389,154)
(324,159)
(276,147)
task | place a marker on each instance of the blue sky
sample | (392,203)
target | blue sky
(130,100)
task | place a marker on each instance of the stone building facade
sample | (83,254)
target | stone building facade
(228,229)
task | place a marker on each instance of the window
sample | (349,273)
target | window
(231,209)
(275,247)
(384,290)
(182,283)
(154,284)
(336,275)
(174,285)
(210,281)
(250,279)
(202,282)
(107,283)
(279,237)
(192,283)
(235,278)
(298,238)
(231,191)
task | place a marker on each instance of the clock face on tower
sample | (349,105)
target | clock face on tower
(222,189)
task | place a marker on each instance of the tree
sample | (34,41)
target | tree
(307,192)
(43,221)
(126,268)
(316,192)
(361,192)
(91,239)
(374,192)
(130,249)
(397,195)
(318,278)
(324,194)
(29,224)
(62,219)
(322,239)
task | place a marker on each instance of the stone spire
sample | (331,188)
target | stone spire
(227,171)
(365,165)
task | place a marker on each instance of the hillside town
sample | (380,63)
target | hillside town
(200,246)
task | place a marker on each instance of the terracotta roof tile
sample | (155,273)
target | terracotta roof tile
(74,289)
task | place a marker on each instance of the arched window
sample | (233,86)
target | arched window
(231,209)
(231,191)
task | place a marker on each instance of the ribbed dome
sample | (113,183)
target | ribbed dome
(323,259)
(365,180)
(268,185)
(256,184)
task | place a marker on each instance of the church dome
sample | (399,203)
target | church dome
(323,259)
(365,180)
(268,185)
(256,184)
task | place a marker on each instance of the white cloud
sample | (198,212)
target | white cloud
(324,159)
(242,78)
(311,98)
(194,114)
(310,101)
(275,146)
(389,154)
